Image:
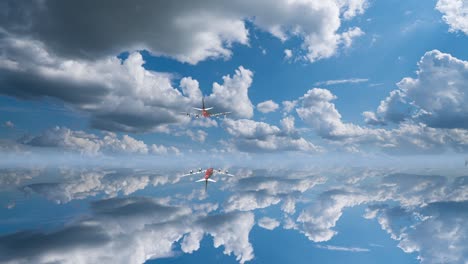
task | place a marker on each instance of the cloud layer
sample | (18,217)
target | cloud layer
(187,31)
(133,229)
(79,141)
(119,95)
(413,209)
(436,97)
(253,136)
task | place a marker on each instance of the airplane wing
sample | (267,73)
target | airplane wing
(220,114)
(190,114)
(194,172)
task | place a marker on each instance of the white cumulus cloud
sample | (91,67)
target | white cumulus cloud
(455,14)
(268,223)
(267,106)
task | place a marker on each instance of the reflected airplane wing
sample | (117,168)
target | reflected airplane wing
(225,172)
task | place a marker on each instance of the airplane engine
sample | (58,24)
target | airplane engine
(191,171)
(199,169)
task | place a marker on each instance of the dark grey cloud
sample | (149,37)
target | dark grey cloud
(32,85)
(186,30)
(130,230)
(118,95)
(27,246)
(132,207)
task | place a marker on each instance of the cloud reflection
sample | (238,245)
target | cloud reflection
(137,215)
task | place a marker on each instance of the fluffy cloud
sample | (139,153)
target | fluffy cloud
(9,124)
(249,201)
(92,183)
(414,193)
(287,54)
(455,14)
(252,136)
(198,135)
(348,36)
(279,184)
(316,109)
(119,95)
(267,106)
(163,150)
(429,111)
(85,143)
(15,177)
(318,219)
(232,95)
(437,233)
(187,31)
(134,229)
(231,231)
(275,187)
(437,96)
(268,223)
(61,137)
(288,106)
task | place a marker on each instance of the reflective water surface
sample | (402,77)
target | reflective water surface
(129,215)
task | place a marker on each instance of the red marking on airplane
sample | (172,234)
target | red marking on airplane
(208,173)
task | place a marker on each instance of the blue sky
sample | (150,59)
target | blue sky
(353,54)
(348,131)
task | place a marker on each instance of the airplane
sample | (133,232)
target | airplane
(208,173)
(204,112)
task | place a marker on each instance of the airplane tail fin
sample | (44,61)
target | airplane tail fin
(201,180)
(199,109)
(210,180)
